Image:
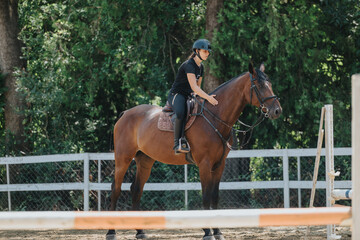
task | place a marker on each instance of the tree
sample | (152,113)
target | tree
(88,62)
(310,50)
(213,8)
(10,52)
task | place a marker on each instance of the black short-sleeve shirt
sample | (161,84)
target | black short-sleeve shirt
(181,84)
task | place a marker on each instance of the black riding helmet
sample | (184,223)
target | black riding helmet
(201,44)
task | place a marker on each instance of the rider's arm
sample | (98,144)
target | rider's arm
(192,81)
(199,82)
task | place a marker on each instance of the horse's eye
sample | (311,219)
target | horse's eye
(267,78)
(262,83)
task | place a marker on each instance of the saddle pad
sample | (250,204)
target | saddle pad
(165,124)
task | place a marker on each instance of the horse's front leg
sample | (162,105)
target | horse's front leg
(214,205)
(207,187)
(210,181)
(206,194)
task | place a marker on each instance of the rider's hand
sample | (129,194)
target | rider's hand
(212,100)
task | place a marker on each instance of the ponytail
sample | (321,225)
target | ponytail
(192,55)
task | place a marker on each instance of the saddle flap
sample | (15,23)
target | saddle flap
(190,104)
(165,122)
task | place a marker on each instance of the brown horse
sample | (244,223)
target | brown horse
(136,135)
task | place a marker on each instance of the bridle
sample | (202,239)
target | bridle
(264,113)
(264,110)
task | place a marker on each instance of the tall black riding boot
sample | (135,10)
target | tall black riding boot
(185,147)
(180,144)
(177,132)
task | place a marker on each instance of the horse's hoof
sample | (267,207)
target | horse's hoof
(141,236)
(209,238)
(219,237)
(110,236)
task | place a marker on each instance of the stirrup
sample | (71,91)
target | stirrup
(183,146)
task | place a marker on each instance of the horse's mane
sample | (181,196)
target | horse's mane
(227,82)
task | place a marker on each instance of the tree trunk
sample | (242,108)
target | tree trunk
(10,51)
(212,9)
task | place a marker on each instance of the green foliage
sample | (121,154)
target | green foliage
(266,169)
(89,61)
(310,52)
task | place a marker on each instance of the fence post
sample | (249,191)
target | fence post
(286,179)
(299,179)
(185,180)
(355,156)
(8,183)
(99,181)
(86,182)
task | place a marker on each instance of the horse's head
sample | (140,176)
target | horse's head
(261,93)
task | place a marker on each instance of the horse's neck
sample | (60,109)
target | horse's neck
(232,100)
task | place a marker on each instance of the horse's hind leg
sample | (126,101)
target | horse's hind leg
(215,198)
(143,169)
(121,166)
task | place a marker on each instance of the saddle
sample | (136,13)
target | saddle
(167,116)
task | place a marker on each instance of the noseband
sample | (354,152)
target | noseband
(264,109)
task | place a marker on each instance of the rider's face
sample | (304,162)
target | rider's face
(204,54)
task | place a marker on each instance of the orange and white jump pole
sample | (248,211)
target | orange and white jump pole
(176,219)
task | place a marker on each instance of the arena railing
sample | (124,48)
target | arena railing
(87,185)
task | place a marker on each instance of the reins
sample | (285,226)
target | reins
(263,114)
(226,141)
(201,113)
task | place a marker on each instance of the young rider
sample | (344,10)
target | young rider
(188,80)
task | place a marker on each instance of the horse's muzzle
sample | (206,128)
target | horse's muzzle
(275,112)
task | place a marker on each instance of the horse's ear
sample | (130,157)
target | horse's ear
(251,68)
(262,67)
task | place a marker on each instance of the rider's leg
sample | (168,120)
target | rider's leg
(177,133)
(184,146)
(178,103)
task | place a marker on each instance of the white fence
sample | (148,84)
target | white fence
(185,186)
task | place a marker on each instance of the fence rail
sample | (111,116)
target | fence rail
(87,185)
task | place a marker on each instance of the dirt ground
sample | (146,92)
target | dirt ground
(278,233)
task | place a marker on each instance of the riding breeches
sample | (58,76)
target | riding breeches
(178,104)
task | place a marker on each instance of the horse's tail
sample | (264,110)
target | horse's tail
(111,140)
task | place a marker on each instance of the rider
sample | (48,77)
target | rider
(188,80)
